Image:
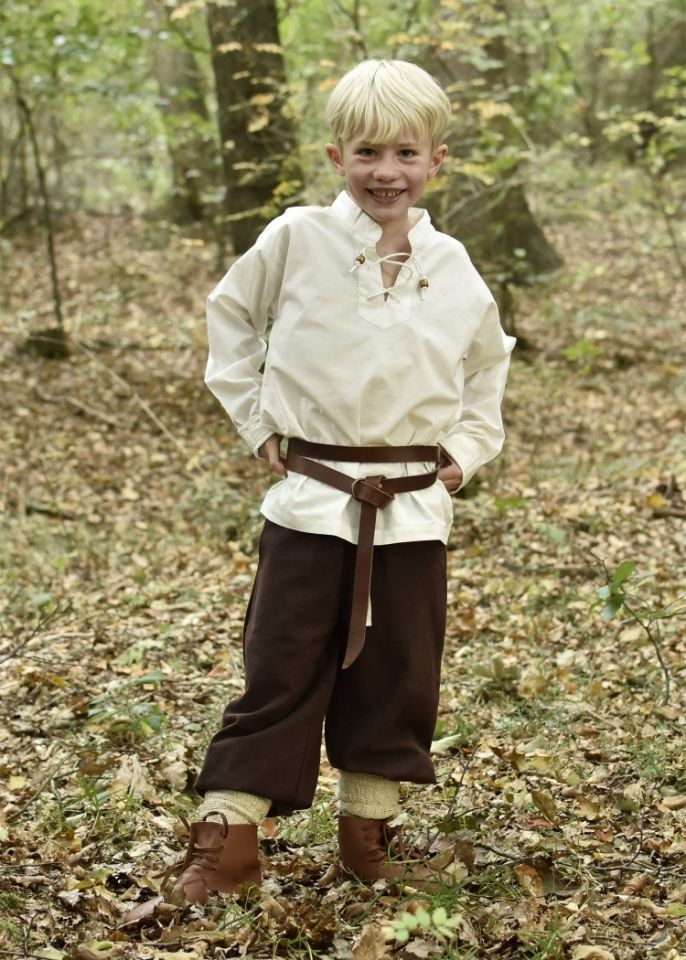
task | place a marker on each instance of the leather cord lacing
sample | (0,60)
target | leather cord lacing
(409,262)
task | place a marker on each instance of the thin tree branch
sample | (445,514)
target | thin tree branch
(657,646)
(45,197)
(44,619)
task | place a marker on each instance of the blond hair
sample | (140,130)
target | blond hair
(379,100)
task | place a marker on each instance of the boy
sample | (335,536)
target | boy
(383,378)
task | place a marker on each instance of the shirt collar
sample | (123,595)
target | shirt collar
(346,210)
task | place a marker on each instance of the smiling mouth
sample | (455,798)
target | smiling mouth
(385,194)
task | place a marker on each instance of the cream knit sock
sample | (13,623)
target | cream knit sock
(237,807)
(368,796)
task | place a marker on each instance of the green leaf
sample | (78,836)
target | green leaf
(623,572)
(154,676)
(612,607)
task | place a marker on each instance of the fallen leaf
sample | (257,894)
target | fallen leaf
(270,827)
(464,851)
(635,885)
(589,810)
(272,908)
(176,774)
(420,948)
(69,897)
(529,880)
(446,744)
(587,952)
(96,950)
(142,911)
(133,778)
(371,944)
(545,803)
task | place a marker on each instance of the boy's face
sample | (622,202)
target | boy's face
(386,179)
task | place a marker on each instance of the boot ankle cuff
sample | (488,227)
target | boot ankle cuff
(365,795)
(237,807)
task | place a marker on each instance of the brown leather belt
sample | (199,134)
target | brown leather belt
(374,493)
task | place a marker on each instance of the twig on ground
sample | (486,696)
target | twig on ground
(39,789)
(670,512)
(143,404)
(508,857)
(31,507)
(45,618)
(652,631)
(79,405)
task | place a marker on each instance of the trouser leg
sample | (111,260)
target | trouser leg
(270,739)
(383,709)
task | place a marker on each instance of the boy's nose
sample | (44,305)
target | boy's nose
(385,168)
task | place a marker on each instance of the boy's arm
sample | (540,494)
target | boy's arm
(478,435)
(237,313)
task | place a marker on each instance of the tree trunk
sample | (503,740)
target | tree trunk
(191,147)
(261,167)
(493,220)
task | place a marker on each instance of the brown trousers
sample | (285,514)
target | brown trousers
(379,714)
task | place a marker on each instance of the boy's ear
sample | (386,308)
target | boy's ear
(334,155)
(437,159)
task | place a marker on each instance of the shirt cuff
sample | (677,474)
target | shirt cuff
(466,453)
(255,434)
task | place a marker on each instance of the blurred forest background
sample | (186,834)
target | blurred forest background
(143,144)
(209,116)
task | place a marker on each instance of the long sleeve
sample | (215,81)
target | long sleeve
(238,310)
(478,435)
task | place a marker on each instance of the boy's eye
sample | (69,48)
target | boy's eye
(366,152)
(407,153)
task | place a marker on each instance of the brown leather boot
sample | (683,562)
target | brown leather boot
(219,858)
(371,850)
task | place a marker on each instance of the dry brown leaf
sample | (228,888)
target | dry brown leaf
(420,948)
(176,774)
(587,952)
(545,803)
(270,827)
(142,911)
(529,879)
(133,778)
(635,885)
(371,944)
(589,809)
(272,908)
(98,950)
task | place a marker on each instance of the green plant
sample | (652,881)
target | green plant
(546,944)
(616,598)
(435,923)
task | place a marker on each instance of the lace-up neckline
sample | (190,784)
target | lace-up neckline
(408,262)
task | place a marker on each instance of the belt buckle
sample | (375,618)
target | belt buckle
(353,488)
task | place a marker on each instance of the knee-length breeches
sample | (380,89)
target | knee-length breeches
(379,714)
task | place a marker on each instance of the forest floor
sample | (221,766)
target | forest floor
(130,518)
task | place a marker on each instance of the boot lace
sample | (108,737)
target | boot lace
(205,857)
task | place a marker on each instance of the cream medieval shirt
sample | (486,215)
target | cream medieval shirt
(349,362)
